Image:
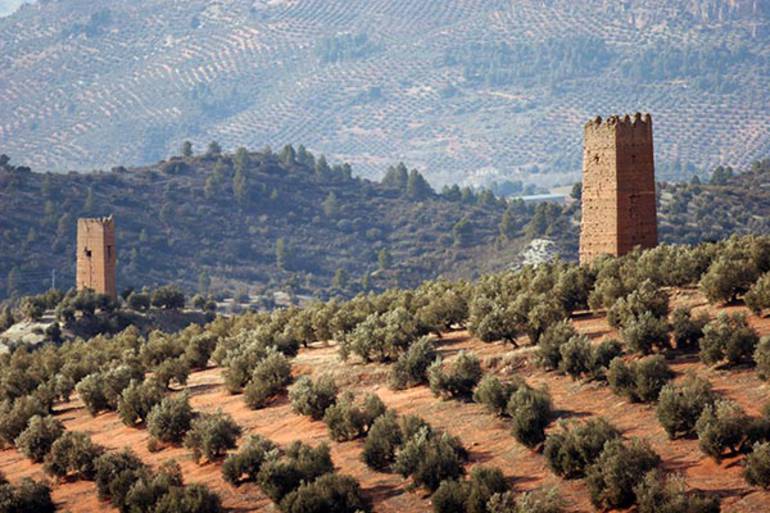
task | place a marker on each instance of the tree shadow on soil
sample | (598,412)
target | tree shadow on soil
(569,414)
(382,492)
(679,465)
(201,388)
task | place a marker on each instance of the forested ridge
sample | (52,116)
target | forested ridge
(258,222)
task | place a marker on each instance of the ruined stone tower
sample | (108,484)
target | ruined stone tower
(618,198)
(96,256)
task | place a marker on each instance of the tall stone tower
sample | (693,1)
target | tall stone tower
(618,198)
(96,256)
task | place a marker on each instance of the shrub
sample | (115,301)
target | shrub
(169,420)
(168,297)
(194,498)
(312,398)
(491,321)
(281,475)
(576,357)
(639,380)
(603,354)
(73,453)
(429,458)
(757,470)
(176,369)
(762,358)
(148,488)
(647,298)
(411,367)
(644,332)
(329,493)
(758,296)
(483,484)
(720,427)
(101,391)
(537,501)
(347,421)
(655,494)
(469,496)
(248,460)
(382,440)
(494,394)
(160,347)
(572,450)
(15,415)
(116,472)
(36,440)
(137,400)
(450,497)
(381,337)
(679,406)
(459,380)
(650,375)
(139,301)
(28,497)
(686,329)
(611,479)
(728,337)
(211,435)
(549,346)
(92,393)
(531,411)
(240,361)
(727,278)
(411,425)
(269,378)
(543,312)
(199,349)
(758,429)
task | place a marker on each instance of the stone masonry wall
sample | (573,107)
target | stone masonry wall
(618,198)
(96,256)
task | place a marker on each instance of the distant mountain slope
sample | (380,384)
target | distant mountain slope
(466,90)
(280,222)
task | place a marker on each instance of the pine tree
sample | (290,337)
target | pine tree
(89,203)
(214,149)
(240,185)
(385,259)
(507,225)
(396,177)
(281,254)
(288,155)
(340,280)
(330,205)
(187,149)
(204,282)
(417,187)
(322,169)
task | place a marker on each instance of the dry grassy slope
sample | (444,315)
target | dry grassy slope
(487,437)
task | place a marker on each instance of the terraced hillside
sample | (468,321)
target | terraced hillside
(467,90)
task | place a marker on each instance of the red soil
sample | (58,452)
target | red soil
(488,438)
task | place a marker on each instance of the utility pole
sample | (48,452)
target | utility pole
(53,278)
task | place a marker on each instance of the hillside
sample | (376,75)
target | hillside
(488,437)
(727,203)
(256,222)
(467,91)
(201,223)
(705,467)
